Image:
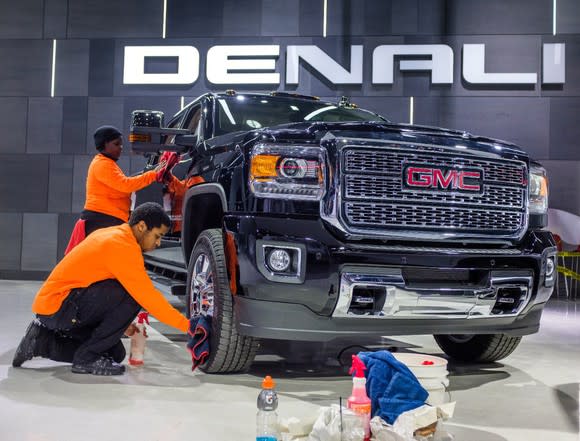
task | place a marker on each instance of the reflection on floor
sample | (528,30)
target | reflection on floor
(532,395)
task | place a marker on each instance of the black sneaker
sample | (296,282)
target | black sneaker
(26,350)
(101,366)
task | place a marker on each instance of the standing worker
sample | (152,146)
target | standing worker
(95,292)
(108,191)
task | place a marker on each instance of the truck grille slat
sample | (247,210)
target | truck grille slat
(374,198)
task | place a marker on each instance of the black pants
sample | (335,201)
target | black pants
(89,324)
(95,220)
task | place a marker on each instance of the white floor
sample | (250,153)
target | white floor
(532,395)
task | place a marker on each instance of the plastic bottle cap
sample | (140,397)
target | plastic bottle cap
(268,383)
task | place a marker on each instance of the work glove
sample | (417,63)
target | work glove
(163,174)
(198,339)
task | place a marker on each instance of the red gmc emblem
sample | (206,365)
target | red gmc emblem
(432,177)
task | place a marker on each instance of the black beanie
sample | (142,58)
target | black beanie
(105,134)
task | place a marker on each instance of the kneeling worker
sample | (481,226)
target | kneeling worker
(94,293)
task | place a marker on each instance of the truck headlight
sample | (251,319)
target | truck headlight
(538,202)
(293,172)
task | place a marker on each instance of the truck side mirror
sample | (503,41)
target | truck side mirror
(147,134)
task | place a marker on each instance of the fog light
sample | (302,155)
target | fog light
(550,267)
(279,260)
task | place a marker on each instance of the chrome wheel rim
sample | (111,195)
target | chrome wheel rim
(201,287)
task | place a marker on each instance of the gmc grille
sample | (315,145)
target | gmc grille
(374,198)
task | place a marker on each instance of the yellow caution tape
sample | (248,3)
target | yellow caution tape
(568,272)
(569,253)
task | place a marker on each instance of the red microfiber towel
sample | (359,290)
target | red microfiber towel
(198,339)
(77,236)
(170,159)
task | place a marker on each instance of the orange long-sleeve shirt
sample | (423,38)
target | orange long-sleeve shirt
(108,253)
(109,190)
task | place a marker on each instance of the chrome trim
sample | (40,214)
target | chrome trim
(300,262)
(331,206)
(435,250)
(442,302)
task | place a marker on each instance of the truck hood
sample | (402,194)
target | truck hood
(411,134)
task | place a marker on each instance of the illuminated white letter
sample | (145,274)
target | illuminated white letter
(440,64)
(219,64)
(187,65)
(323,64)
(554,63)
(474,69)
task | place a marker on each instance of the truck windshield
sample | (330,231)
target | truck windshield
(243,112)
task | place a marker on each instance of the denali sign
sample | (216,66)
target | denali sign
(437,178)
(256,64)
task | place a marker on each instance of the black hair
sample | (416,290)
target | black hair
(104,134)
(152,214)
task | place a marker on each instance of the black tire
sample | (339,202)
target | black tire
(483,348)
(229,351)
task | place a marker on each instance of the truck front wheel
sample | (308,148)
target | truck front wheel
(477,348)
(208,292)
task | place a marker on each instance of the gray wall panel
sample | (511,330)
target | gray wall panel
(44,125)
(272,10)
(39,241)
(353,18)
(242,17)
(499,16)
(311,18)
(394,108)
(103,111)
(523,121)
(404,17)
(115,19)
(11,240)
(22,19)
(137,163)
(13,114)
(55,15)
(60,183)
(72,68)
(432,17)
(194,19)
(101,67)
(26,66)
(66,223)
(568,17)
(24,183)
(74,124)
(80,168)
(565,128)
(564,185)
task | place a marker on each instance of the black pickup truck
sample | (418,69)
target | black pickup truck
(299,219)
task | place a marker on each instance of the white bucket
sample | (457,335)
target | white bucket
(431,372)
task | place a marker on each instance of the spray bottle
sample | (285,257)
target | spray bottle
(359,402)
(137,350)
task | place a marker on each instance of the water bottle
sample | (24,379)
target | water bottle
(267,418)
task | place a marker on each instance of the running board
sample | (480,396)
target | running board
(167,270)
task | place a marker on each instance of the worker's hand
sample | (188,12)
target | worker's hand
(160,166)
(163,171)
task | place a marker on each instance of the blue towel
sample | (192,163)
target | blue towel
(391,386)
(198,339)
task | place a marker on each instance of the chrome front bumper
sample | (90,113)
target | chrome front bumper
(383,293)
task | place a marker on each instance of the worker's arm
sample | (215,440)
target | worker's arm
(109,173)
(129,269)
